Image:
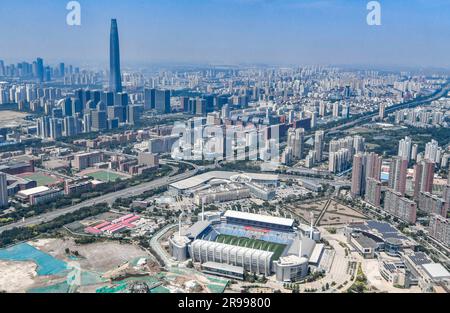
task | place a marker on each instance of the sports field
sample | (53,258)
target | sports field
(276,248)
(106,176)
(41,179)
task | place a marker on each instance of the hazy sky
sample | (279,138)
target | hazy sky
(413,32)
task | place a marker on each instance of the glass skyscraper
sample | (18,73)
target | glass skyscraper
(115,80)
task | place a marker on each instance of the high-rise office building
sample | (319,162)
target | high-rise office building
(158,100)
(365,166)
(43,127)
(66,106)
(346,111)
(423,177)
(121,99)
(336,109)
(404,148)
(87,123)
(414,152)
(200,107)
(318,145)
(98,120)
(77,106)
(358,175)
(339,161)
(149,99)
(358,144)
(134,114)
(3,190)
(397,175)
(70,126)
(62,69)
(40,69)
(382,111)
(115,78)
(226,111)
(184,101)
(433,152)
(373,191)
(162,101)
(116,111)
(55,128)
(295,142)
(209,102)
(108,98)
(322,109)
(374,163)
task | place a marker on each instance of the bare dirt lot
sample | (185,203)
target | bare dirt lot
(16,277)
(99,257)
(339,214)
(303,209)
(13,119)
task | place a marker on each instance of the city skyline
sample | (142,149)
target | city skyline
(232,33)
(205,155)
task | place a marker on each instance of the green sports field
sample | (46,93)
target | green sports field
(276,248)
(105,177)
(41,179)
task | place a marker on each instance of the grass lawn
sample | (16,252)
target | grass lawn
(276,248)
(41,179)
(104,176)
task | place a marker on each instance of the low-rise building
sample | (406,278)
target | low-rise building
(394,273)
(39,195)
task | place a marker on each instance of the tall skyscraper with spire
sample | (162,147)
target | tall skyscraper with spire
(115,79)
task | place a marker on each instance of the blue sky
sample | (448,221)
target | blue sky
(413,33)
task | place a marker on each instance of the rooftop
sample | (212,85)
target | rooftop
(195,230)
(224,267)
(419,258)
(260,218)
(206,177)
(33,191)
(366,242)
(436,271)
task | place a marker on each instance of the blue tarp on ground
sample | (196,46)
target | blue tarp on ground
(46,264)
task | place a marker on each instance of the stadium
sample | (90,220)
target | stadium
(239,242)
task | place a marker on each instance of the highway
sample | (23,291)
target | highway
(108,198)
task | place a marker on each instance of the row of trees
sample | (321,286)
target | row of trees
(68,200)
(14,235)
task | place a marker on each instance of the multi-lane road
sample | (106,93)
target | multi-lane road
(108,198)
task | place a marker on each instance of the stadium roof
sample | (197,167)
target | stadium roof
(224,266)
(260,218)
(195,230)
(206,177)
